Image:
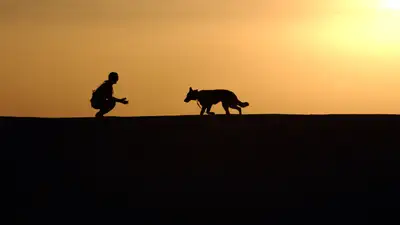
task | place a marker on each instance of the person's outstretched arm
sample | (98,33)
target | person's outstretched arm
(120,100)
(109,93)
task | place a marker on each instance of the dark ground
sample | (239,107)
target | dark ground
(253,169)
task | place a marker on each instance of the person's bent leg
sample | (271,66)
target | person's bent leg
(107,107)
(98,106)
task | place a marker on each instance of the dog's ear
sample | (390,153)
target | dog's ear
(190,89)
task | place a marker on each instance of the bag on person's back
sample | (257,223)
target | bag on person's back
(97,97)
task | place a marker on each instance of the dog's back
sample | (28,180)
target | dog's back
(218,95)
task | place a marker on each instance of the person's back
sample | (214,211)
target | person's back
(103,93)
(102,97)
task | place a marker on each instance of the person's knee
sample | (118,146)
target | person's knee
(112,104)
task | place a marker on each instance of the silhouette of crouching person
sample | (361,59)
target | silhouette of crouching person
(103,99)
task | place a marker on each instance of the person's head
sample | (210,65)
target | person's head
(113,77)
(191,95)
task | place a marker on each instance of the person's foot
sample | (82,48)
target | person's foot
(99,115)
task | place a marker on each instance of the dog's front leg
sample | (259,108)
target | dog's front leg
(203,109)
(208,110)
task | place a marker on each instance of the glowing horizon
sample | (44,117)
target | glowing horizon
(282,56)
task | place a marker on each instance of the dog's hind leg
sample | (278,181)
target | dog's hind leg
(237,108)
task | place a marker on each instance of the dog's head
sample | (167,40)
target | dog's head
(191,95)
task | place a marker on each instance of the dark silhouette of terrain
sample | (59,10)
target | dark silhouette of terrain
(250,169)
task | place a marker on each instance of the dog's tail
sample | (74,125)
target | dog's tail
(243,104)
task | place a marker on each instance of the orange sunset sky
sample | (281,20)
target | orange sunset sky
(282,56)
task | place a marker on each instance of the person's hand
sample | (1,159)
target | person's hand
(124,101)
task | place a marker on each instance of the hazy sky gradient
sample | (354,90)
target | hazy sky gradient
(282,56)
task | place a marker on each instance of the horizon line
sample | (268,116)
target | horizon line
(195,115)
